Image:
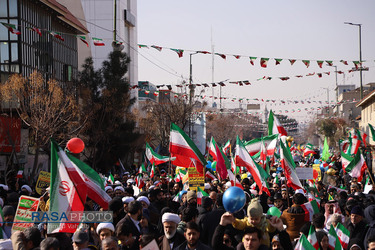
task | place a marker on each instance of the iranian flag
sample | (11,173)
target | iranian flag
(98,41)
(19,174)
(263,62)
(345,160)
(67,193)
(372,132)
(289,166)
(309,149)
(227,147)
(212,148)
(155,158)
(139,181)
(57,35)
(353,146)
(184,149)
(221,169)
(263,156)
(233,180)
(333,240)
(201,193)
(111,179)
(303,244)
(368,186)
(12,28)
(310,208)
(357,166)
(210,175)
(254,146)
(152,174)
(274,126)
(244,159)
(312,237)
(343,235)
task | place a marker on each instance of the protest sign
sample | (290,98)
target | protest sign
(23,217)
(43,181)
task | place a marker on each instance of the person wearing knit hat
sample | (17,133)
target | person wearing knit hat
(8,215)
(358,226)
(104,230)
(191,197)
(256,218)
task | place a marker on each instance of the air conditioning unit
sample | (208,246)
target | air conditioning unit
(129,18)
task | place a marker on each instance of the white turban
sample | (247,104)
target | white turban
(5,187)
(170,217)
(127,199)
(106,225)
(144,199)
(108,188)
(207,186)
(120,188)
(28,188)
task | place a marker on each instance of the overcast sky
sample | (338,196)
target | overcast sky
(288,29)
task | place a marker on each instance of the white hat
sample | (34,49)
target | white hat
(118,183)
(106,225)
(127,199)
(108,188)
(130,181)
(156,182)
(126,173)
(28,188)
(170,217)
(144,199)
(228,184)
(5,187)
(207,186)
(151,187)
(120,188)
(299,191)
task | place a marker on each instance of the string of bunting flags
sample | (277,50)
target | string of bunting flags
(262,60)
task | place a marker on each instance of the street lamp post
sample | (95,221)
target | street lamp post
(327,100)
(191,86)
(360,54)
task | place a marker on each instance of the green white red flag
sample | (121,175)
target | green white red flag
(345,160)
(212,149)
(303,244)
(333,240)
(312,237)
(210,175)
(289,166)
(244,159)
(357,166)
(152,174)
(274,126)
(310,209)
(201,193)
(12,28)
(139,181)
(111,179)
(227,147)
(233,180)
(372,132)
(154,157)
(97,41)
(184,149)
(67,194)
(309,149)
(254,146)
(343,235)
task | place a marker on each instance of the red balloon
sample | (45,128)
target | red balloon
(75,145)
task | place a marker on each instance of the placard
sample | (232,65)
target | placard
(23,219)
(196,179)
(43,181)
(305,173)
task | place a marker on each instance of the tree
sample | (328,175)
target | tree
(48,109)
(332,128)
(106,102)
(156,119)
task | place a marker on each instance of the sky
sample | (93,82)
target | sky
(288,29)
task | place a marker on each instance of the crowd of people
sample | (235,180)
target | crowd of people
(162,215)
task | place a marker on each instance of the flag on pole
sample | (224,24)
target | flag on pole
(274,125)
(372,132)
(12,28)
(111,179)
(152,174)
(226,148)
(303,244)
(220,165)
(289,166)
(357,166)
(184,149)
(201,193)
(243,158)
(66,195)
(212,149)
(19,174)
(254,146)
(139,181)
(325,153)
(83,39)
(312,237)
(97,41)
(333,240)
(309,149)
(343,235)
(155,158)
(345,160)
(233,180)
(310,209)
